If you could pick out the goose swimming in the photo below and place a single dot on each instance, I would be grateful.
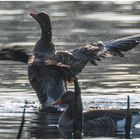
(70, 122)
(94, 122)
(48, 69)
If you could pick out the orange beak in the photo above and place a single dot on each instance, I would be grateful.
(57, 102)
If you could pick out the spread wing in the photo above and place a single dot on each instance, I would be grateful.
(117, 47)
(15, 53)
(77, 59)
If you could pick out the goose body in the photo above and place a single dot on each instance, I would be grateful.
(117, 116)
(46, 86)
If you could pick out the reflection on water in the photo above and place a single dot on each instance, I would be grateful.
(74, 24)
(44, 126)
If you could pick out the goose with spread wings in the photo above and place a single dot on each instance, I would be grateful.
(48, 69)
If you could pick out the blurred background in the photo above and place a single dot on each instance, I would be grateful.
(74, 24)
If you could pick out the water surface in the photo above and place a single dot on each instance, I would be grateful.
(74, 24)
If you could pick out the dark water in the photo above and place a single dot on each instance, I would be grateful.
(74, 24)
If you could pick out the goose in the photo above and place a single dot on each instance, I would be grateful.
(48, 69)
(94, 122)
(70, 122)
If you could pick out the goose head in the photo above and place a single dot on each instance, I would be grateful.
(67, 98)
(44, 21)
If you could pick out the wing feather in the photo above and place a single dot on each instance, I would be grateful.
(123, 44)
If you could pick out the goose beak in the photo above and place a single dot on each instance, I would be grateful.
(57, 102)
(33, 15)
